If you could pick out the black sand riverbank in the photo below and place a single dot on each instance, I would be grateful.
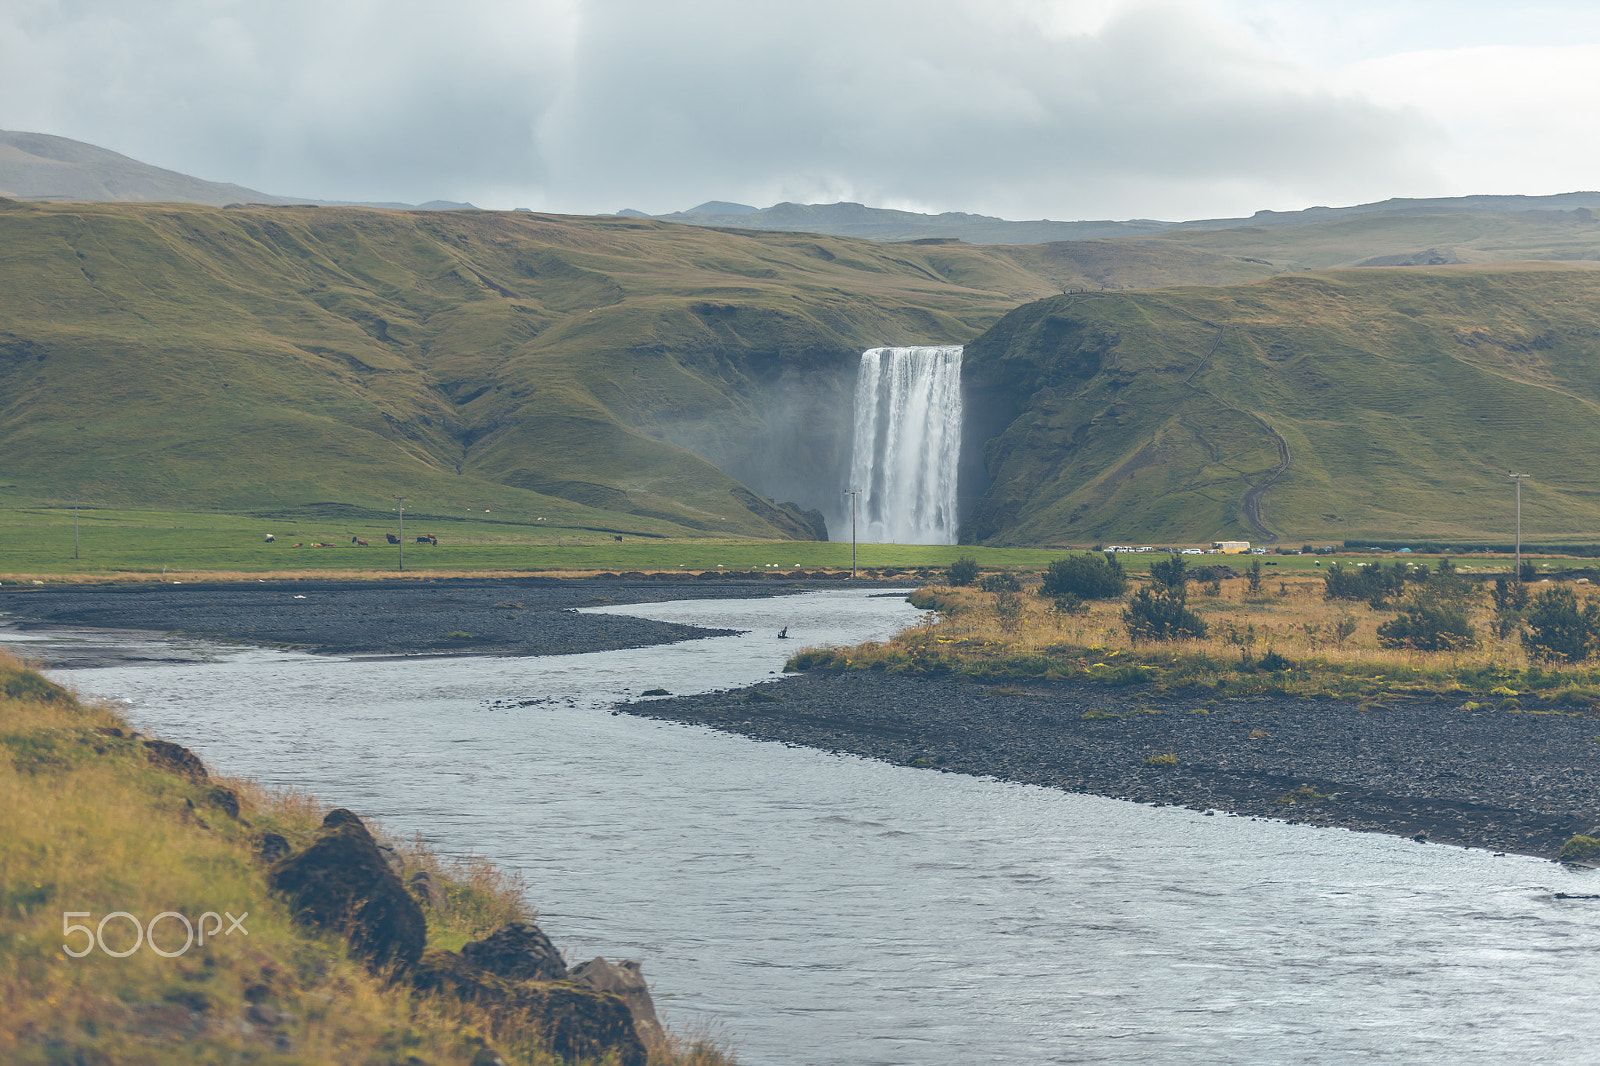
(1489, 779)
(517, 616)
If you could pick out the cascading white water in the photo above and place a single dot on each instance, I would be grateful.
(907, 445)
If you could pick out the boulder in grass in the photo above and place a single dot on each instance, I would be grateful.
(175, 759)
(342, 883)
(574, 1021)
(517, 951)
(428, 891)
(625, 980)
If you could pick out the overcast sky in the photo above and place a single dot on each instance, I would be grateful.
(1062, 109)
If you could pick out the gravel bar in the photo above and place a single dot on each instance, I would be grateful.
(1415, 767)
(515, 616)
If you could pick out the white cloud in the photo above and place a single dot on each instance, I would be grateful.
(1517, 119)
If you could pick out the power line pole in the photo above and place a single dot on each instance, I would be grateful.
(401, 500)
(1518, 478)
(852, 493)
(74, 527)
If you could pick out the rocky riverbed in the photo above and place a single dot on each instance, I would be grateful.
(517, 616)
(1420, 768)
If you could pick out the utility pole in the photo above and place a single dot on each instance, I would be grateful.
(74, 527)
(401, 500)
(852, 493)
(1518, 478)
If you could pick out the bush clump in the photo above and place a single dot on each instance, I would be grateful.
(1372, 582)
(1161, 613)
(1085, 577)
(1580, 849)
(999, 583)
(1558, 629)
(1428, 627)
(963, 571)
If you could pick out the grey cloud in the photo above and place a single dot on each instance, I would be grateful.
(958, 106)
(588, 106)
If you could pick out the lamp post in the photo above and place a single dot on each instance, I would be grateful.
(401, 500)
(1518, 478)
(852, 493)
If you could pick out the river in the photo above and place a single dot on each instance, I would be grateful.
(815, 909)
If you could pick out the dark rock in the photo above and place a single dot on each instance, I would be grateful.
(392, 857)
(226, 799)
(342, 883)
(339, 816)
(175, 759)
(625, 980)
(574, 1021)
(517, 951)
(271, 847)
(263, 1014)
(428, 891)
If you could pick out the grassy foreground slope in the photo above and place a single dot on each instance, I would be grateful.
(1341, 404)
(92, 821)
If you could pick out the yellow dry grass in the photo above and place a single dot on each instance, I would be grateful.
(1332, 647)
(88, 825)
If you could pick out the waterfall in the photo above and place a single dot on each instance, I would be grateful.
(907, 445)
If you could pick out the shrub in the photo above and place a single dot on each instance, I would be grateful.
(1086, 577)
(1510, 601)
(1069, 604)
(1162, 614)
(1428, 628)
(1165, 761)
(1171, 572)
(1372, 582)
(1558, 630)
(1581, 849)
(963, 571)
(1008, 609)
(1273, 662)
(999, 583)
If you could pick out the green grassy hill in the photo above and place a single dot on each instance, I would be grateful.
(1400, 240)
(598, 372)
(1346, 404)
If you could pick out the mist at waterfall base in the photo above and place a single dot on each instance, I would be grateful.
(889, 422)
(906, 447)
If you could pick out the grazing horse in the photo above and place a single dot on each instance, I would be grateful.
(270, 538)
(392, 538)
(429, 539)
(358, 540)
(616, 538)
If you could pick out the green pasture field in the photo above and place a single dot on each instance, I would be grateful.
(37, 542)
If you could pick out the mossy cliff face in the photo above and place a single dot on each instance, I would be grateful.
(1317, 406)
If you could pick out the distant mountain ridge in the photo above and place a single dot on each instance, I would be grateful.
(883, 224)
(41, 166)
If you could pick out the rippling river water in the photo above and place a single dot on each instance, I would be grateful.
(827, 910)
